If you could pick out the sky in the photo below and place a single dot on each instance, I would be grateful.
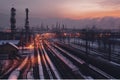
(74, 9)
(63, 9)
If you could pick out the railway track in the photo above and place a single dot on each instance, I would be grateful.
(101, 64)
(68, 69)
(92, 71)
(56, 61)
(45, 68)
(6, 74)
(102, 53)
(21, 71)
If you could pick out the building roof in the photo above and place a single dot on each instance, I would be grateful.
(4, 46)
(13, 45)
(9, 41)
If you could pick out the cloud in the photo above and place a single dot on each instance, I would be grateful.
(113, 4)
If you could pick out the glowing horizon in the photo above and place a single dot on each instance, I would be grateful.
(74, 9)
(77, 9)
(96, 14)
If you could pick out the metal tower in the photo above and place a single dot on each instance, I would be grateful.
(13, 23)
(27, 25)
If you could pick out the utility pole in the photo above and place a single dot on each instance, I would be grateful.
(22, 41)
(109, 48)
(86, 38)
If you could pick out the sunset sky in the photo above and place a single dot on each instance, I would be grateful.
(73, 13)
(73, 9)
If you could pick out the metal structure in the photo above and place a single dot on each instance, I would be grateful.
(13, 23)
(27, 25)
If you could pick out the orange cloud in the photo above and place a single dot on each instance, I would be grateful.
(93, 14)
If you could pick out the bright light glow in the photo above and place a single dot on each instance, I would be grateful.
(77, 34)
(30, 46)
(65, 34)
(48, 35)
